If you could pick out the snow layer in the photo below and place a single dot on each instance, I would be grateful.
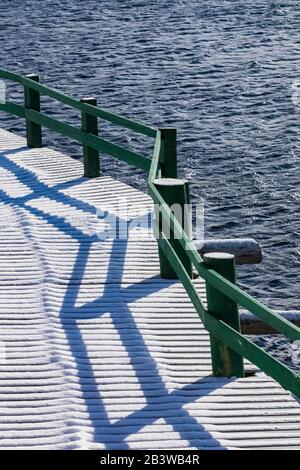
(96, 351)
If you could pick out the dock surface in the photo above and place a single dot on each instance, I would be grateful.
(97, 351)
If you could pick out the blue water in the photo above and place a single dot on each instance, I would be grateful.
(219, 71)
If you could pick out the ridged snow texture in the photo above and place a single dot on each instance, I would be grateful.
(101, 352)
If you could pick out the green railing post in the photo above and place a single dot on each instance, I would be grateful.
(175, 192)
(32, 101)
(168, 157)
(225, 361)
(89, 124)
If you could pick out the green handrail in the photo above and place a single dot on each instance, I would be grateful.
(163, 158)
(232, 338)
(94, 111)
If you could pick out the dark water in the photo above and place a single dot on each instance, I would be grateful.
(220, 71)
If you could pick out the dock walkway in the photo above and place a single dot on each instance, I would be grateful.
(97, 351)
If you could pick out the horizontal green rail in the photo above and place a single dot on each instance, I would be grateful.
(227, 288)
(163, 164)
(94, 111)
(97, 143)
(235, 340)
(219, 329)
(12, 108)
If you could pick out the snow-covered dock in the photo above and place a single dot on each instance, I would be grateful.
(97, 351)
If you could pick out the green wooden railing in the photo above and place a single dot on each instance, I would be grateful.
(178, 256)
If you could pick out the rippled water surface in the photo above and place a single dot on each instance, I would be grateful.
(222, 72)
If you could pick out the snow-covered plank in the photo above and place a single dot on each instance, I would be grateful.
(100, 352)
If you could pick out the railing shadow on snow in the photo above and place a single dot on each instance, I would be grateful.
(112, 434)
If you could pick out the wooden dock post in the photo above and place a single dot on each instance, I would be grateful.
(245, 250)
(89, 124)
(175, 192)
(225, 361)
(32, 101)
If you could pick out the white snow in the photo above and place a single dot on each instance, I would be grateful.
(99, 351)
